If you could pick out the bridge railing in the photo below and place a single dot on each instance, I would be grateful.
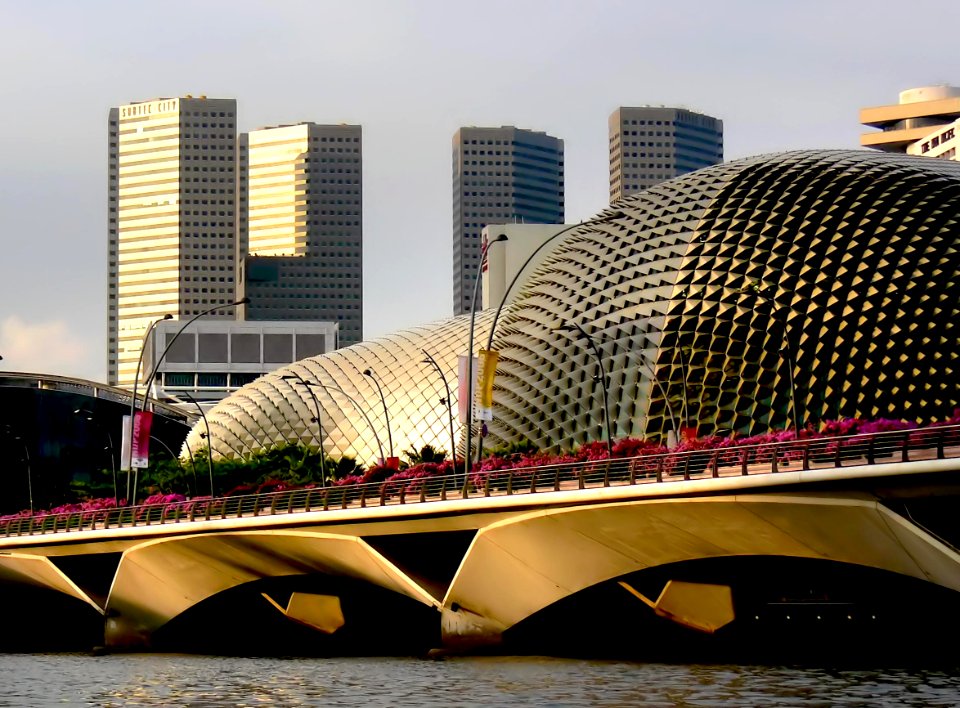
(937, 442)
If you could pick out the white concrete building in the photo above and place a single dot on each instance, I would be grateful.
(506, 258)
(211, 359)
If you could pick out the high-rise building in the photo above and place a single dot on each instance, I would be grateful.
(300, 225)
(500, 176)
(171, 218)
(649, 145)
(920, 112)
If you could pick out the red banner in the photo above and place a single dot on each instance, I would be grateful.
(142, 422)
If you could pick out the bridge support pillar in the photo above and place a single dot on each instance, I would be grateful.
(463, 630)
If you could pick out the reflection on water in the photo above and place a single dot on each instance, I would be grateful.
(175, 680)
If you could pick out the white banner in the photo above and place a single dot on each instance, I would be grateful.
(125, 445)
(462, 387)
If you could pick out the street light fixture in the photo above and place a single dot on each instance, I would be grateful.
(156, 368)
(88, 416)
(473, 316)
(601, 377)
(317, 384)
(133, 399)
(26, 451)
(449, 404)
(786, 347)
(295, 377)
(206, 424)
(386, 413)
(516, 278)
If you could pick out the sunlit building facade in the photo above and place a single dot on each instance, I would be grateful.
(171, 218)
(918, 115)
(300, 225)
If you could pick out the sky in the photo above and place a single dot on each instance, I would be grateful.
(782, 76)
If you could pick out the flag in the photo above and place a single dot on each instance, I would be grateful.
(488, 372)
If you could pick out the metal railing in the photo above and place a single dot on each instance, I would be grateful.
(727, 461)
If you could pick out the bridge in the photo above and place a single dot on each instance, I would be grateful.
(703, 544)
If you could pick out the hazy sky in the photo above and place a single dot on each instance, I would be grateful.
(781, 75)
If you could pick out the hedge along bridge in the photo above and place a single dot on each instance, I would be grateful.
(494, 551)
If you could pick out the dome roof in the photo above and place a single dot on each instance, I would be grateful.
(797, 286)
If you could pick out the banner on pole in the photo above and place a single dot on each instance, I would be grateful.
(142, 422)
(462, 384)
(488, 372)
(125, 445)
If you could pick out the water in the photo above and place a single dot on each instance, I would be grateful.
(176, 680)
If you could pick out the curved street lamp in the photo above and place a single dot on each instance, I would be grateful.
(206, 424)
(786, 347)
(295, 377)
(516, 278)
(156, 368)
(133, 399)
(386, 413)
(355, 405)
(26, 451)
(88, 416)
(473, 316)
(601, 377)
(446, 386)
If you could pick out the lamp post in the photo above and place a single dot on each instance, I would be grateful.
(663, 392)
(386, 413)
(88, 416)
(298, 378)
(133, 399)
(26, 451)
(156, 368)
(786, 347)
(446, 386)
(473, 316)
(206, 424)
(601, 377)
(356, 405)
(516, 278)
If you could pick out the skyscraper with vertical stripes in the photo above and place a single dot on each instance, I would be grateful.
(171, 218)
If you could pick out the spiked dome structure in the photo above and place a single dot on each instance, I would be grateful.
(765, 292)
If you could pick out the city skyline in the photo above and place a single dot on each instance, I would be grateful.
(399, 71)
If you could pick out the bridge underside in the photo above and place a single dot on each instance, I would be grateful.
(653, 577)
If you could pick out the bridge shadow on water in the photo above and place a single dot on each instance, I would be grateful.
(788, 611)
(241, 622)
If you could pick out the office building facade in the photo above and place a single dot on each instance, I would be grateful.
(919, 113)
(500, 176)
(649, 145)
(300, 225)
(171, 218)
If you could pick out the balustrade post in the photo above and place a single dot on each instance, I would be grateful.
(556, 480)
(774, 461)
(870, 450)
(905, 448)
(941, 440)
(486, 485)
(509, 482)
(363, 498)
(715, 465)
(423, 491)
(805, 459)
(581, 483)
(403, 494)
(533, 482)
(744, 456)
(659, 469)
(443, 489)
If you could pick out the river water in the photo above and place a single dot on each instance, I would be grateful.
(179, 680)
